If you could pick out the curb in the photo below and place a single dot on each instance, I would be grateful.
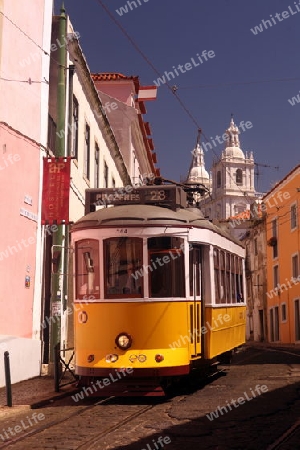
(46, 401)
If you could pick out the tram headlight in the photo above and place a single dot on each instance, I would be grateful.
(159, 358)
(91, 358)
(111, 358)
(142, 358)
(123, 341)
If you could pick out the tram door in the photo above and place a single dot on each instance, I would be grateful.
(195, 304)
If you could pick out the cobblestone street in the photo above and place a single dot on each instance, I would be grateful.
(250, 407)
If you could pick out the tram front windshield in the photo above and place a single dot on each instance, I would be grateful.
(124, 271)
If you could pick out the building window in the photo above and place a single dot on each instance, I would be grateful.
(293, 217)
(297, 320)
(218, 179)
(239, 177)
(274, 324)
(113, 182)
(105, 174)
(283, 312)
(87, 136)
(255, 246)
(274, 235)
(74, 128)
(257, 284)
(275, 277)
(96, 179)
(295, 266)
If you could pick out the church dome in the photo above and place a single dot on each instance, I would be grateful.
(232, 150)
(197, 173)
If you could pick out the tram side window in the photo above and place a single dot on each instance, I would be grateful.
(195, 272)
(166, 267)
(228, 277)
(239, 284)
(123, 272)
(233, 275)
(87, 269)
(222, 273)
(217, 276)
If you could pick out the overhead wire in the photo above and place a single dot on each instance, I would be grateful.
(148, 61)
(29, 81)
(171, 88)
(238, 83)
(145, 58)
(30, 38)
(25, 34)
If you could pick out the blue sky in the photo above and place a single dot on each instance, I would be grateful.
(240, 79)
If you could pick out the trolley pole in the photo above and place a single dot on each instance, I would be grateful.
(58, 241)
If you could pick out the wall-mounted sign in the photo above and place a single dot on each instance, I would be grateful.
(28, 199)
(30, 215)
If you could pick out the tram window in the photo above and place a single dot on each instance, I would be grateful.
(222, 273)
(228, 278)
(217, 276)
(240, 292)
(233, 272)
(195, 272)
(166, 267)
(165, 242)
(87, 269)
(123, 272)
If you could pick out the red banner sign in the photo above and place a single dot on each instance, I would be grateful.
(56, 189)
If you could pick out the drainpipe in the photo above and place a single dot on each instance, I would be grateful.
(57, 282)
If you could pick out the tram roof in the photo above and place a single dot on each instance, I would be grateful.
(146, 215)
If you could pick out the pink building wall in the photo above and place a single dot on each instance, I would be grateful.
(19, 182)
(24, 69)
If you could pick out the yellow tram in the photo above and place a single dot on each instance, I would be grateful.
(160, 290)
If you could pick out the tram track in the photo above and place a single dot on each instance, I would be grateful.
(22, 439)
(82, 411)
(285, 439)
(113, 428)
(51, 424)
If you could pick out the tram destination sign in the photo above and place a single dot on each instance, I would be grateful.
(171, 196)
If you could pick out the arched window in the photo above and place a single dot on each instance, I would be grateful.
(218, 179)
(239, 177)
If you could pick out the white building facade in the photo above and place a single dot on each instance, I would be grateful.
(105, 139)
(232, 180)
